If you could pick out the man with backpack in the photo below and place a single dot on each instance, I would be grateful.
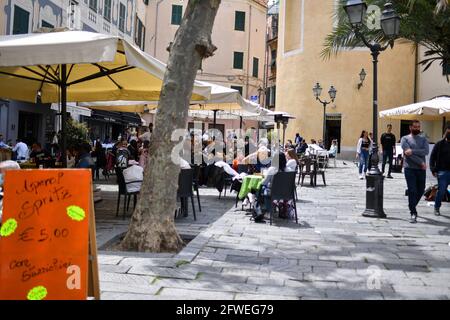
(440, 167)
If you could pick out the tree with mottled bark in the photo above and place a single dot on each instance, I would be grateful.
(152, 227)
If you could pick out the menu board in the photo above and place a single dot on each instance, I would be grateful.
(44, 236)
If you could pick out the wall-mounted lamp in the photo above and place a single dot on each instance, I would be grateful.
(39, 97)
(362, 76)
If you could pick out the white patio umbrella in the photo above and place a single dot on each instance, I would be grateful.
(78, 66)
(434, 109)
(221, 98)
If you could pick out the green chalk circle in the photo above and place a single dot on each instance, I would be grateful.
(76, 213)
(37, 293)
(8, 228)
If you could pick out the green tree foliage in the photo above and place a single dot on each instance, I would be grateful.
(424, 22)
(77, 133)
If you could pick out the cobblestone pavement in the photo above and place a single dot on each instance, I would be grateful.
(334, 252)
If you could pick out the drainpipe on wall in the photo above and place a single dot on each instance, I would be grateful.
(416, 74)
(248, 48)
(267, 51)
(156, 26)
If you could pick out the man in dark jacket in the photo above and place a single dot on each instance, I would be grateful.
(440, 167)
(388, 149)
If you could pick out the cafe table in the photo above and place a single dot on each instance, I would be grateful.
(251, 183)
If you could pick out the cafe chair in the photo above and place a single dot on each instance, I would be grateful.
(185, 190)
(283, 188)
(123, 190)
(308, 168)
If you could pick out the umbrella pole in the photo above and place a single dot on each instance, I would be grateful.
(444, 122)
(64, 114)
(214, 122)
(240, 123)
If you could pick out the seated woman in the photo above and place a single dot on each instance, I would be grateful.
(143, 154)
(333, 149)
(292, 160)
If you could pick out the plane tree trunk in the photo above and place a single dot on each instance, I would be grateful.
(152, 227)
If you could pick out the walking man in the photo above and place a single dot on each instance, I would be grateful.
(415, 149)
(388, 149)
(440, 167)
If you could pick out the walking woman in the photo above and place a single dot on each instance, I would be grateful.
(362, 153)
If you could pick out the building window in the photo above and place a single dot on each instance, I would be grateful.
(238, 60)
(238, 88)
(93, 5)
(255, 67)
(122, 17)
(239, 21)
(177, 13)
(139, 34)
(21, 17)
(270, 96)
(107, 10)
(45, 24)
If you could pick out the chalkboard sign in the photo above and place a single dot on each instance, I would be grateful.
(45, 236)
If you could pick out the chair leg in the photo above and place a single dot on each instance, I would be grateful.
(237, 200)
(193, 207)
(295, 209)
(128, 203)
(118, 205)
(303, 178)
(271, 212)
(323, 178)
(198, 200)
(125, 207)
(134, 201)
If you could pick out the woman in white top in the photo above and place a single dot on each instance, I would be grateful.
(292, 160)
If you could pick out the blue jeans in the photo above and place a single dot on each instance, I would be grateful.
(415, 179)
(388, 156)
(363, 160)
(443, 182)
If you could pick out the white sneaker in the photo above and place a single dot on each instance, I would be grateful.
(361, 177)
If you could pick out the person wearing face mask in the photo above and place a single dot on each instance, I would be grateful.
(415, 149)
(5, 165)
(440, 167)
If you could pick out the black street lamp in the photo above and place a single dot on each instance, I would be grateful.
(390, 23)
(317, 90)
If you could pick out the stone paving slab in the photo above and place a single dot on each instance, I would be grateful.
(162, 272)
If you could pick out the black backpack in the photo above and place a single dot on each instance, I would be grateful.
(122, 158)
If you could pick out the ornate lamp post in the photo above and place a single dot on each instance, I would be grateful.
(317, 90)
(390, 23)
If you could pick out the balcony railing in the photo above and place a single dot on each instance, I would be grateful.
(92, 16)
(106, 26)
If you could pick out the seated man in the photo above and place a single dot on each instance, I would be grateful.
(5, 165)
(39, 155)
(333, 149)
(85, 160)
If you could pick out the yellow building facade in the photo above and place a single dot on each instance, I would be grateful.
(303, 26)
